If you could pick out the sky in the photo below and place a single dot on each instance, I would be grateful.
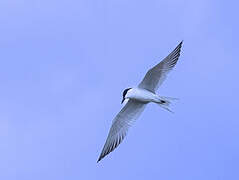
(64, 65)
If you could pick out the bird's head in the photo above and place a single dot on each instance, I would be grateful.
(124, 94)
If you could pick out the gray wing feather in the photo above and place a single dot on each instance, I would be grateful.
(120, 125)
(156, 75)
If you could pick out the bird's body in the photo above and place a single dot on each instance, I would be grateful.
(137, 98)
(142, 95)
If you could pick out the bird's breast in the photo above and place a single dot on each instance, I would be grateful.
(141, 95)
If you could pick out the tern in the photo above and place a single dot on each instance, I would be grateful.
(137, 98)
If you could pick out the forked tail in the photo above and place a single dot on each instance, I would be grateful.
(165, 102)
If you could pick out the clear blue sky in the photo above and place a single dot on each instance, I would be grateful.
(64, 65)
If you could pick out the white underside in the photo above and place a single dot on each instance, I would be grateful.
(142, 95)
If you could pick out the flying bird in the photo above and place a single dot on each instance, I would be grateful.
(137, 98)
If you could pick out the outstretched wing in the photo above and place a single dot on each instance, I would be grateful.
(156, 75)
(120, 125)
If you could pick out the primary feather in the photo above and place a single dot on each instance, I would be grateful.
(156, 75)
(121, 123)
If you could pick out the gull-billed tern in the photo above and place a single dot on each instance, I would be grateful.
(137, 98)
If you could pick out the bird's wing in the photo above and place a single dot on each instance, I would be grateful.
(120, 125)
(156, 75)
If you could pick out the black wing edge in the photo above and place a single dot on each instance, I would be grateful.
(108, 148)
(174, 55)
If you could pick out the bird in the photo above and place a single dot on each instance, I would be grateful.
(136, 99)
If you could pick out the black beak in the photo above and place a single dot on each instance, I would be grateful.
(122, 100)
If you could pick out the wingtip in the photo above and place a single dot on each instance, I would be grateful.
(99, 159)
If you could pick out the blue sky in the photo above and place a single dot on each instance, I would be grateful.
(64, 65)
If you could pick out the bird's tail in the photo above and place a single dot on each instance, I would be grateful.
(165, 102)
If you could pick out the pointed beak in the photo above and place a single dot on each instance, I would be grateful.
(122, 100)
